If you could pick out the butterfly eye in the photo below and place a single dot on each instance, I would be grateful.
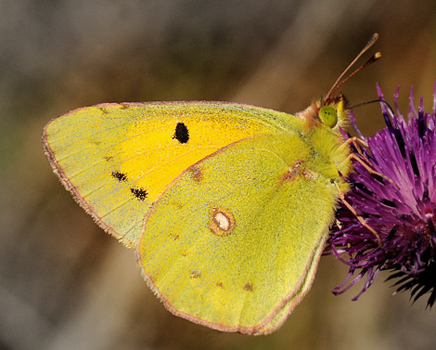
(328, 116)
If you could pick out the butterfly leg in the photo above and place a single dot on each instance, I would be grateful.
(365, 162)
(359, 217)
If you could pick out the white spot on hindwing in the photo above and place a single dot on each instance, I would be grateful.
(221, 222)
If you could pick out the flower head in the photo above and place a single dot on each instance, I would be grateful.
(397, 199)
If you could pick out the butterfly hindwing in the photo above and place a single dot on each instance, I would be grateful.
(233, 242)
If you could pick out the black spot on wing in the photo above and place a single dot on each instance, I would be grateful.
(119, 176)
(181, 134)
(139, 193)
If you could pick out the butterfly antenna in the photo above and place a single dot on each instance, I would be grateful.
(388, 106)
(338, 83)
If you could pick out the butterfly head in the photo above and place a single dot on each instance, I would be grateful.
(331, 112)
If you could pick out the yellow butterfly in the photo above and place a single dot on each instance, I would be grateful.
(228, 205)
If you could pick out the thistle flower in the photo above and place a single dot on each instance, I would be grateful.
(398, 201)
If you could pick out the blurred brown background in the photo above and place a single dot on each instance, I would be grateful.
(64, 283)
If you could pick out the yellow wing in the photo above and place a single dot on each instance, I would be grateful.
(234, 242)
(117, 159)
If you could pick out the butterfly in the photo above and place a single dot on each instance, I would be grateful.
(227, 205)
